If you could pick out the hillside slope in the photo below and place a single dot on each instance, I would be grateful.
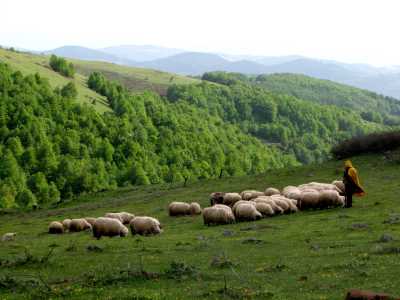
(308, 255)
(28, 63)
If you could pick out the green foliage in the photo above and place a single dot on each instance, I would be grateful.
(53, 149)
(61, 66)
(301, 128)
(69, 91)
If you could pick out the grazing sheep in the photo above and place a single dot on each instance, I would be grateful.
(56, 228)
(109, 227)
(218, 214)
(265, 209)
(318, 186)
(271, 191)
(251, 194)
(328, 198)
(195, 208)
(90, 220)
(145, 226)
(240, 202)
(79, 225)
(309, 200)
(116, 216)
(126, 217)
(178, 209)
(340, 185)
(247, 212)
(10, 236)
(270, 201)
(216, 198)
(66, 224)
(231, 198)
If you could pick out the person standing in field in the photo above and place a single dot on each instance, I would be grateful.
(351, 183)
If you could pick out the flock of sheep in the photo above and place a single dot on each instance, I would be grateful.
(225, 208)
(112, 224)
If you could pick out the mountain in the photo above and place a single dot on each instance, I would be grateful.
(83, 53)
(141, 53)
(189, 63)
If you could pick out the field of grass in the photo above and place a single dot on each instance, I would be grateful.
(308, 255)
(135, 79)
(29, 64)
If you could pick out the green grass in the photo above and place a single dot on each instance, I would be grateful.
(309, 255)
(135, 79)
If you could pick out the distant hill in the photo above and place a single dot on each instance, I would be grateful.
(332, 93)
(84, 53)
(141, 53)
(193, 63)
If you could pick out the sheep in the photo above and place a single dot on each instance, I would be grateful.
(239, 202)
(145, 226)
(56, 228)
(319, 186)
(247, 212)
(195, 208)
(231, 198)
(77, 225)
(218, 214)
(271, 191)
(251, 194)
(109, 227)
(90, 220)
(340, 185)
(116, 216)
(126, 217)
(309, 200)
(328, 198)
(9, 236)
(276, 208)
(216, 198)
(264, 208)
(66, 224)
(179, 209)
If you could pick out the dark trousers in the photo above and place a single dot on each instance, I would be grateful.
(348, 200)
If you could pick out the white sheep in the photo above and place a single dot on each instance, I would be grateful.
(195, 208)
(145, 226)
(9, 236)
(77, 225)
(90, 220)
(179, 209)
(116, 216)
(265, 209)
(309, 200)
(218, 214)
(247, 212)
(109, 227)
(66, 224)
(271, 191)
(340, 185)
(231, 198)
(56, 228)
(251, 194)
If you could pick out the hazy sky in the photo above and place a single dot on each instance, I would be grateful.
(347, 30)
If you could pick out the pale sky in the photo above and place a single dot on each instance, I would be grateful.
(360, 31)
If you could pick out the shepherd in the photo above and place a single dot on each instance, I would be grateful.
(351, 183)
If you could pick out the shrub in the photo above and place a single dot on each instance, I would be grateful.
(371, 143)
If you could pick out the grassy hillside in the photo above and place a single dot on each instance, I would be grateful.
(309, 255)
(29, 64)
(135, 79)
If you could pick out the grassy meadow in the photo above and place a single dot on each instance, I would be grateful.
(308, 255)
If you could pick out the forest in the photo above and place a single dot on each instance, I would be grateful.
(53, 148)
